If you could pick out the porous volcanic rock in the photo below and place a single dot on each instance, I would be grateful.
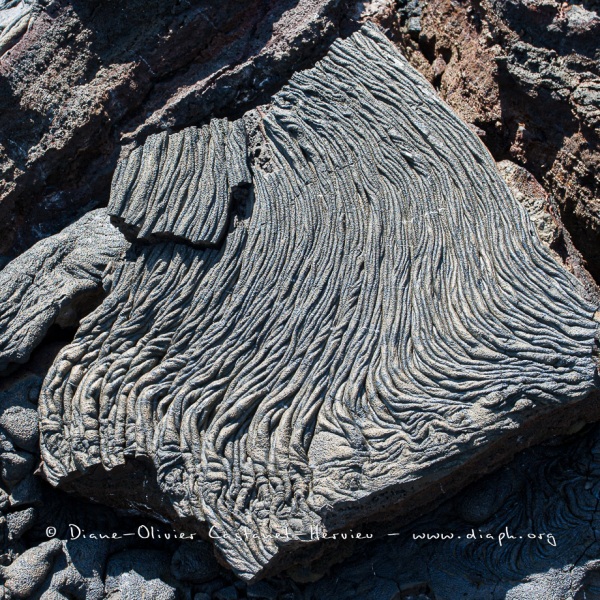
(379, 324)
(527, 531)
(80, 78)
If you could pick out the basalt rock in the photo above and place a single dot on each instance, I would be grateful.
(142, 574)
(545, 214)
(56, 281)
(525, 75)
(180, 186)
(27, 573)
(376, 324)
(81, 78)
(527, 531)
(15, 16)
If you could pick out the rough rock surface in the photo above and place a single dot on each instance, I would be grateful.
(377, 320)
(180, 186)
(528, 531)
(550, 490)
(80, 78)
(526, 75)
(545, 214)
(26, 573)
(53, 282)
(139, 574)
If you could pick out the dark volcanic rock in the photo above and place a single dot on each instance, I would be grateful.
(139, 574)
(525, 74)
(194, 561)
(21, 425)
(18, 522)
(234, 403)
(78, 572)
(545, 214)
(16, 465)
(58, 280)
(28, 572)
(25, 492)
(528, 531)
(180, 186)
(376, 324)
(81, 77)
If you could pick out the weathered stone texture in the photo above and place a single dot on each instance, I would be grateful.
(526, 76)
(53, 282)
(377, 318)
(331, 314)
(79, 79)
(180, 186)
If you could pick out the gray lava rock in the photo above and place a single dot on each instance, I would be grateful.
(4, 499)
(539, 541)
(227, 593)
(21, 390)
(26, 492)
(19, 522)
(482, 500)
(28, 571)
(78, 574)
(534, 199)
(164, 65)
(45, 284)
(135, 574)
(544, 213)
(194, 562)
(374, 325)
(450, 567)
(21, 425)
(16, 465)
(15, 17)
(193, 157)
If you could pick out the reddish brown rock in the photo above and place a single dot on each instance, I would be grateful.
(526, 77)
(83, 77)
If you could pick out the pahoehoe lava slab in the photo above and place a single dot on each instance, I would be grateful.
(377, 314)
